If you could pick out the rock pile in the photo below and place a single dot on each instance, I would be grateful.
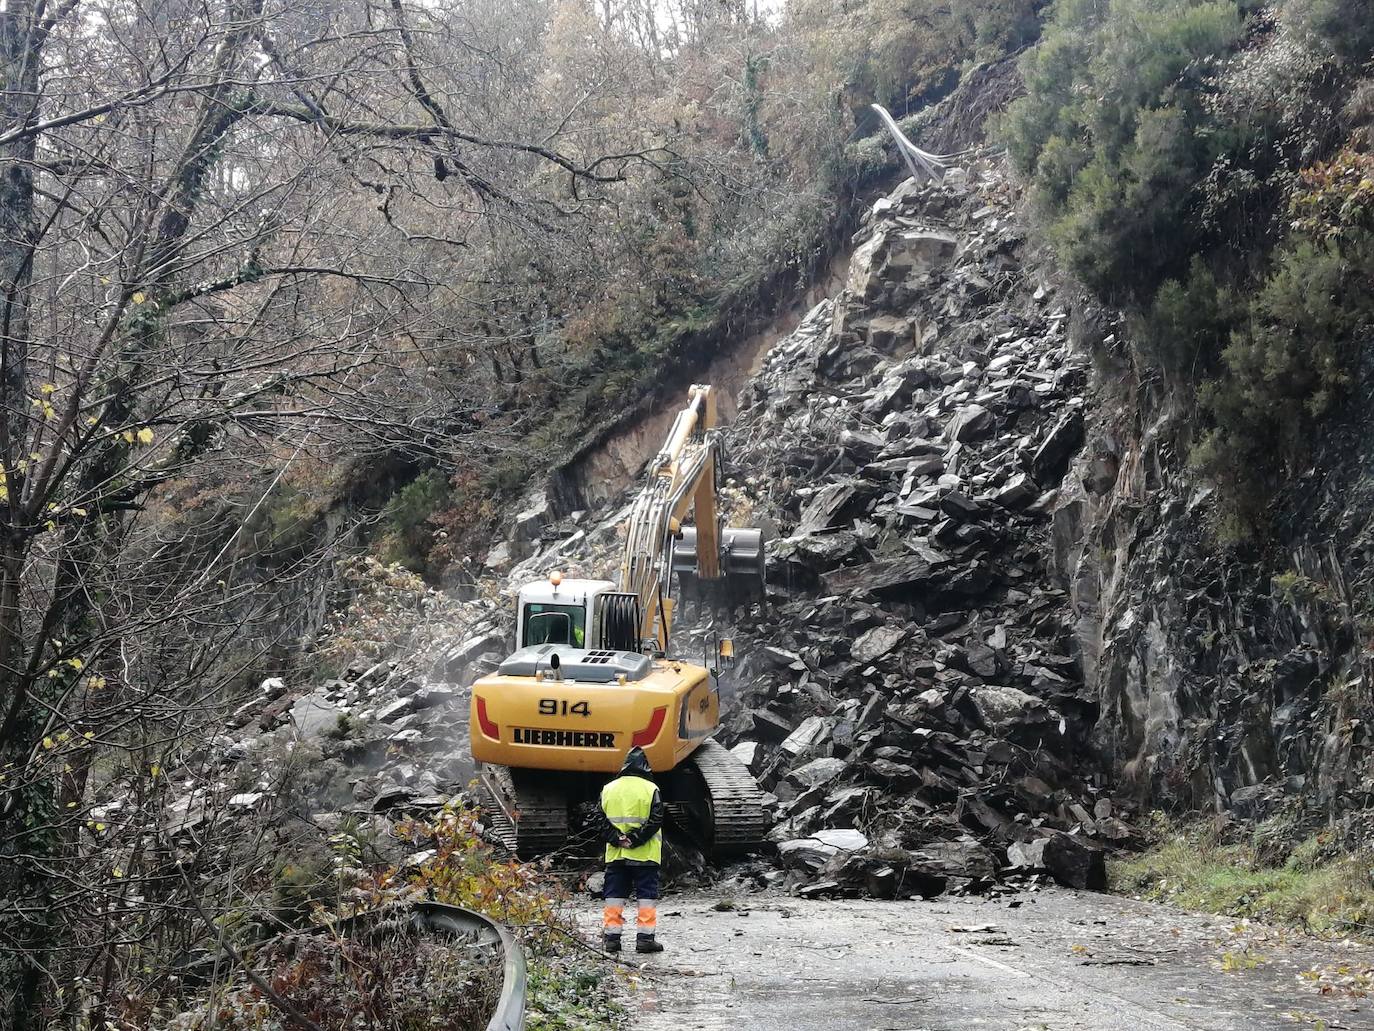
(382, 741)
(909, 693)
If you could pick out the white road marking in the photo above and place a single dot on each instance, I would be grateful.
(990, 962)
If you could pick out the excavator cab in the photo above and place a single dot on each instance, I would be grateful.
(559, 611)
(553, 627)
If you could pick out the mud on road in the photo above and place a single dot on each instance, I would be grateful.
(1037, 962)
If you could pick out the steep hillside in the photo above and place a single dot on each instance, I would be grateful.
(968, 494)
(1203, 170)
(328, 324)
(1227, 681)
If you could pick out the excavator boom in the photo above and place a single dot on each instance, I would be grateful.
(682, 479)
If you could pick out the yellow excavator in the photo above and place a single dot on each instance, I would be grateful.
(591, 675)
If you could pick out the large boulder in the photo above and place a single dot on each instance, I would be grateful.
(812, 735)
(1013, 714)
(1027, 856)
(891, 333)
(814, 552)
(920, 250)
(1051, 459)
(887, 258)
(1002, 709)
(499, 558)
(877, 643)
(528, 526)
(962, 858)
(880, 876)
(817, 772)
(812, 853)
(1074, 862)
(825, 509)
(1018, 492)
(432, 696)
(456, 662)
(750, 753)
(865, 267)
(903, 572)
(892, 774)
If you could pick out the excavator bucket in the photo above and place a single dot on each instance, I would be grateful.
(741, 565)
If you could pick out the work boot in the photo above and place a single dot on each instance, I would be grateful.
(610, 942)
(646, 943)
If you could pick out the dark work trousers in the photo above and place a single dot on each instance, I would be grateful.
(621, 879)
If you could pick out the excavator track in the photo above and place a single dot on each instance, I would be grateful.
(740, 820)
(528, 814)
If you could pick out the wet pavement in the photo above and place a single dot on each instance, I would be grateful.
(1035, 962)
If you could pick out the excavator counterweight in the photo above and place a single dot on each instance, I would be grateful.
(591, 674)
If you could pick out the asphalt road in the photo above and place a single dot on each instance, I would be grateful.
(1057, 960)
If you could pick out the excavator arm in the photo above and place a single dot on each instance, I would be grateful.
(681, 477)
(680, 480)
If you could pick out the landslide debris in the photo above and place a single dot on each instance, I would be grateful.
(910, 693)
(908, 690)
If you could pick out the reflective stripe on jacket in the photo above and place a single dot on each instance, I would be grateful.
(627, 803)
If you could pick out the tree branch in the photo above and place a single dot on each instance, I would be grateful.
(431, 133)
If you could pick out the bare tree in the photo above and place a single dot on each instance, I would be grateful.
(219, 225)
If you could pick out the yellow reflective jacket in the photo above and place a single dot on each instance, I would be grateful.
(632, 806)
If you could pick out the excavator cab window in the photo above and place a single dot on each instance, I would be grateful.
(555, 624)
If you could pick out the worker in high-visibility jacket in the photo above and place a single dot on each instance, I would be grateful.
(632, 827)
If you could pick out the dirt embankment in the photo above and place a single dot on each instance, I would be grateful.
(599, 472)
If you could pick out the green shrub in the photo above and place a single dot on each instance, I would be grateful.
(1166, 139)
(1003, 28)
(1304, 882)
(897, 51)
(300, 885)
(1293, 588)
(409, 519)
(1346, 26)
(1286, 368)
(1188, 322)
(1114, 134)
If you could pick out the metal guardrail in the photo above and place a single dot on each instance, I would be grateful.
(922, 165)
(421, 918)
(455, 920)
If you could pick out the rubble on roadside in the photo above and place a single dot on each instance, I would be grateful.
(908, 691)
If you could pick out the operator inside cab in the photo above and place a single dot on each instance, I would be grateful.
(555, 624)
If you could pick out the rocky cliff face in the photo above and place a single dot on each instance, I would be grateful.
(1225, 684)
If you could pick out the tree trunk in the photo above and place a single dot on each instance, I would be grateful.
(22, 887)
